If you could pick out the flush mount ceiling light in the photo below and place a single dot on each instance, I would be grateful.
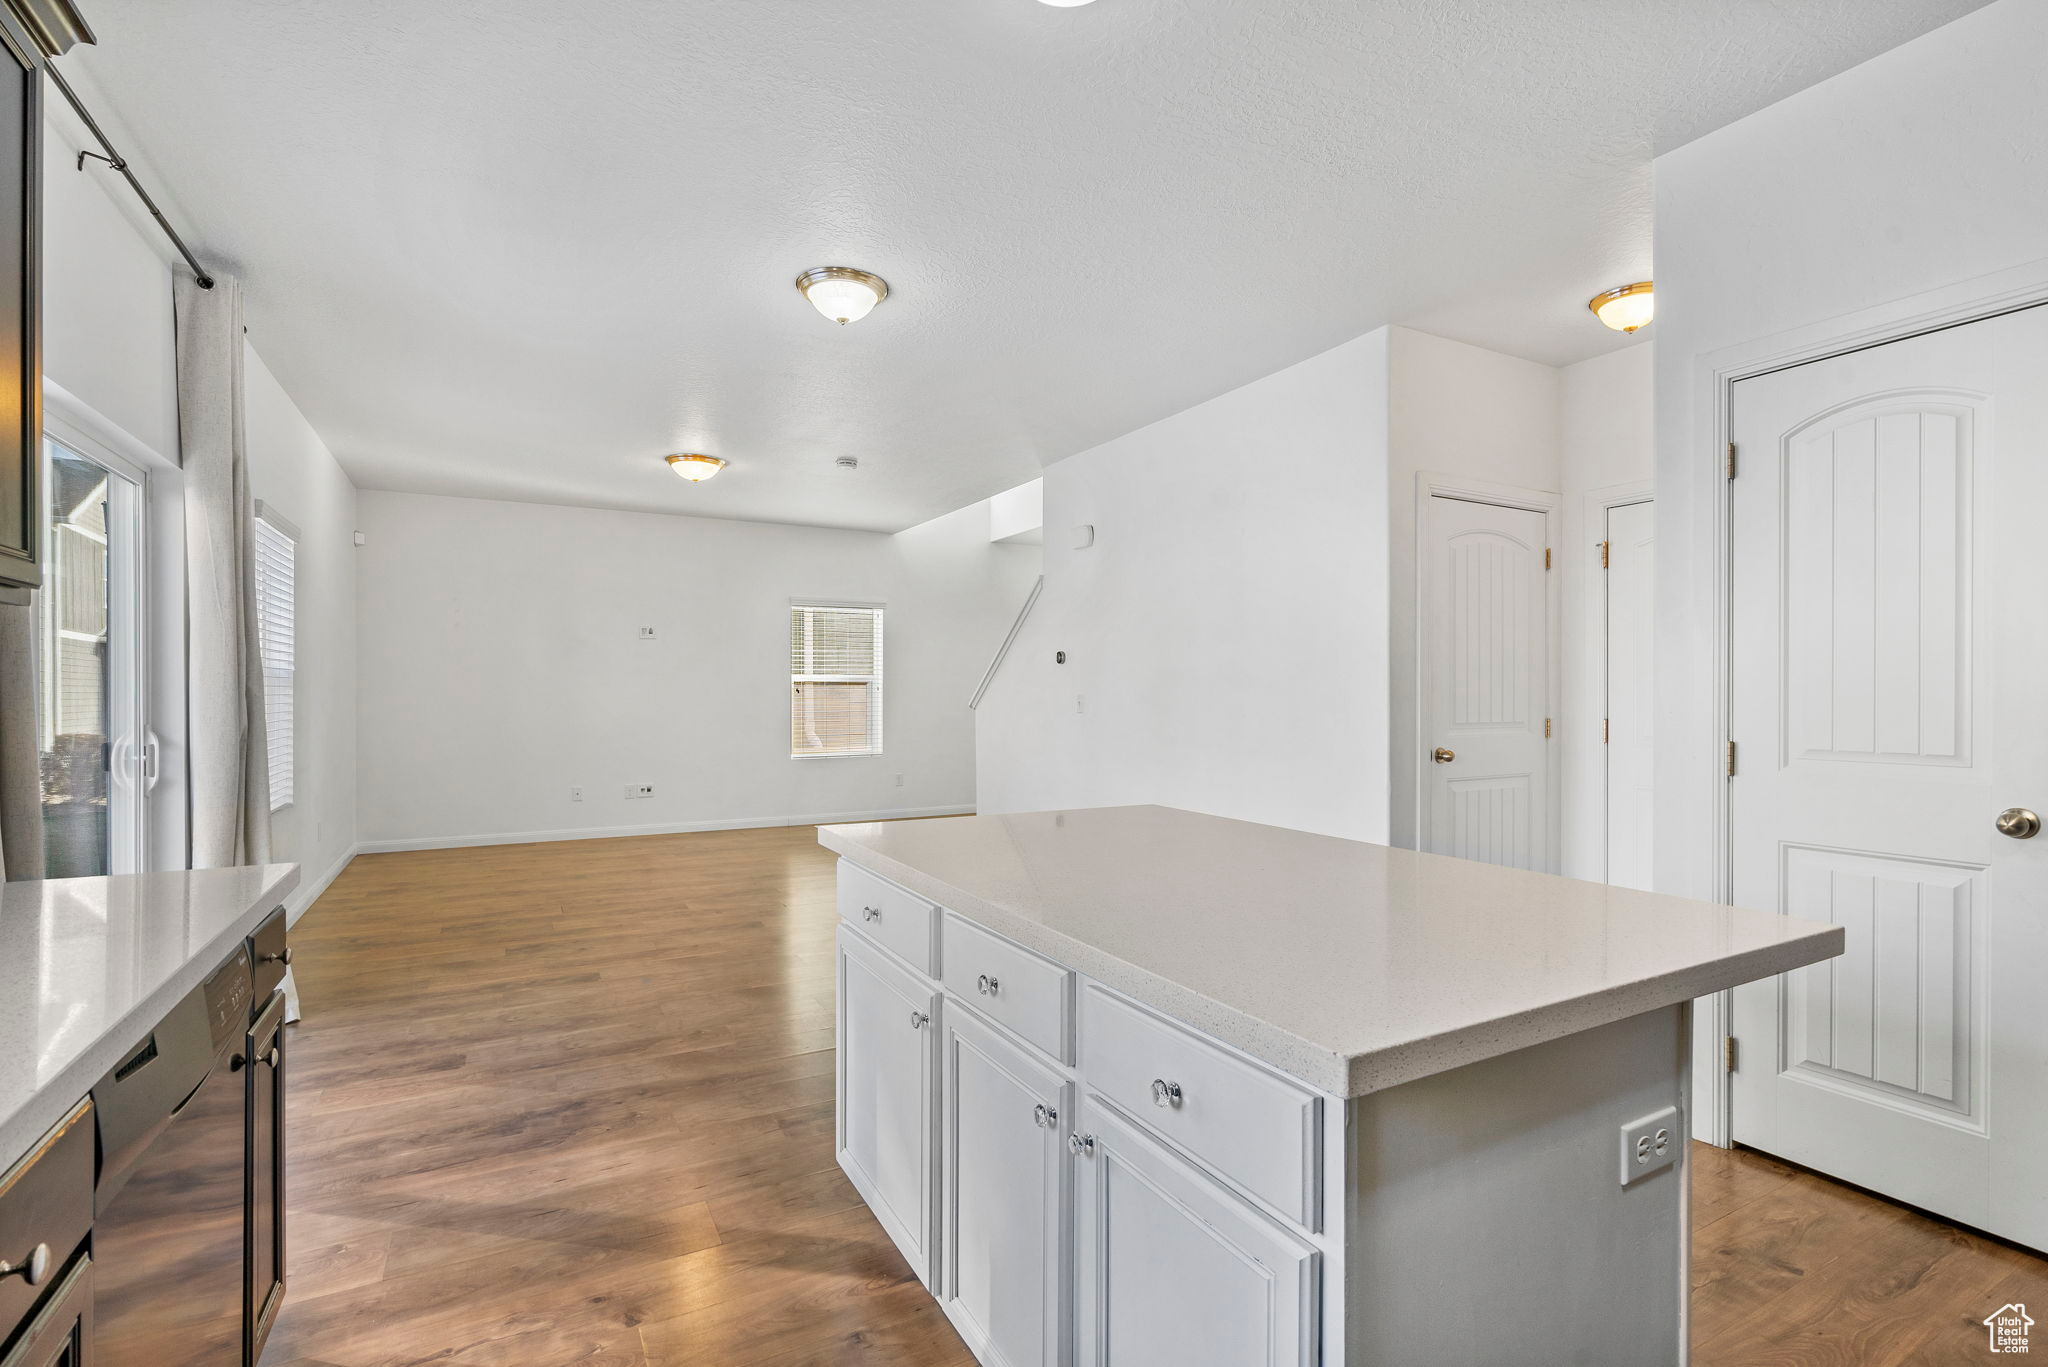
(1625, 309)
(694, 468)
(842, 293)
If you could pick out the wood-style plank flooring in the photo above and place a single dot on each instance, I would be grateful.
(572, 1103)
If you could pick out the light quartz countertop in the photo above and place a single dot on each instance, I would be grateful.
(1352, 967)
(88, 966)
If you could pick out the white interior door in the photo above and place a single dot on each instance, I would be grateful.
(1631, 551)
(1485, 688)
(1888, 654)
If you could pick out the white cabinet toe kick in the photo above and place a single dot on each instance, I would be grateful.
(1082, 1180)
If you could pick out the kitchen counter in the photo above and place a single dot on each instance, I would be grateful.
(88, 966)
(1353, 967)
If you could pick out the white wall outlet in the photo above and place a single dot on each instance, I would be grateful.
(899, 780)
(1650, 1145)
(362, 540)
(575, 794)
(647, 633)
(634, 790)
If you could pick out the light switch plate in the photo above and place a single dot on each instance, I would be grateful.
(1650, 1145)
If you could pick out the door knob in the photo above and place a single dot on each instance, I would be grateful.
(2019, 823)
(1443, 756)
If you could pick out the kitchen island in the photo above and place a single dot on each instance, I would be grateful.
(1136, 1085)
(141, 1117)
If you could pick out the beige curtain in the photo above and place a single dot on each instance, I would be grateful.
(230, 769)
(21, 783)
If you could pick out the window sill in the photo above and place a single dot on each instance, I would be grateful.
(842, 754)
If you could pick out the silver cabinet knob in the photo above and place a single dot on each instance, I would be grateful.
(1443, 756)
(986, 985)
(1083, 1144)
(1045, 1117)
(2019, 823)
(1165, 1093)
(283, 956)
(919, 1020)
(241, 1061)
(870, 913)
(33, 1269)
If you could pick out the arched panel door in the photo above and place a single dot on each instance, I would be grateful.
(1888, 654)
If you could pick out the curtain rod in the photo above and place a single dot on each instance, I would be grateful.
(120, 163)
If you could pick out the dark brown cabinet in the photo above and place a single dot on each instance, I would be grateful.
(264, 1166)
(21, 370)
(61, 1333)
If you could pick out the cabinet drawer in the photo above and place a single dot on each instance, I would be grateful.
(899, 921)
(1009, 984)
(45, 1211)
(1249, 1125)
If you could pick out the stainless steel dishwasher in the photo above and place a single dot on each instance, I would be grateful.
(189, 1153)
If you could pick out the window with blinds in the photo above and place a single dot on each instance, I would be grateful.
(835, 680)
(277, 627)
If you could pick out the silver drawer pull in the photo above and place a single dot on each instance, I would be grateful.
(1165, 1093)
(34, 1270)
(919, 1020)
(986, 985)
(283, 956)
(1083, 1144)
(1045, 1117)
(870, 913)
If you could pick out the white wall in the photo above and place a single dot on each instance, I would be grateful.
(1461, 410)
(109, 341)
(291, 470)
(1607, 442)
(500, 666)
(1227, 631)
(1918, 169)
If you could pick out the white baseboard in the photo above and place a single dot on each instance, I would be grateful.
(455, 842)
(307, 893)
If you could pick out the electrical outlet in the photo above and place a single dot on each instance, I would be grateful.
(1649, 1145)
(1080, 703)
(575, 794)
(899, 780)
(647, 633)
(634, 790)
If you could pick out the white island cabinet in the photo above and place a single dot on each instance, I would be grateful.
(1136, 1087)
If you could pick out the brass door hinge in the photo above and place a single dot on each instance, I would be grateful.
(1603, 554)
(1546, 728)
(1731, 759)
(1546, 557)
(1603, 730)
(1733, 1052)
(1731, 460)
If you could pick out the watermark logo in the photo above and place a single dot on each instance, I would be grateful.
(2008, 1326)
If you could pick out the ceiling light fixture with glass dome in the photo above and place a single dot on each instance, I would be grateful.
(841, 293)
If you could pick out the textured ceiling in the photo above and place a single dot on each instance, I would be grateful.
(521, 249)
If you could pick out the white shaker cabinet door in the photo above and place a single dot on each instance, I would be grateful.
(887, 1022)
(1176, 1269)
(1004, 1221)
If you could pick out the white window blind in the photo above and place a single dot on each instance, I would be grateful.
(277, 626)
(835, 680)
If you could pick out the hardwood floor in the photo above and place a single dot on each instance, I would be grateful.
(572, 1103)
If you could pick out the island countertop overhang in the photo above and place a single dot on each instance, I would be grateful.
(88, 966)
(1352, 967)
